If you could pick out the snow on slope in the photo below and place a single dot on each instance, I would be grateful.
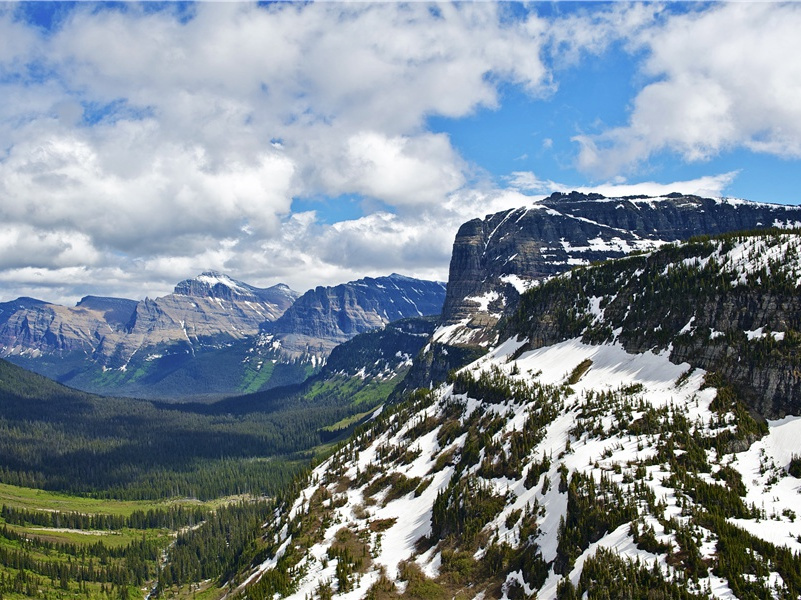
(384, 489)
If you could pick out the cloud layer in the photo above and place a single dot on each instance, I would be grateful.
(722, 78)
(141, 146)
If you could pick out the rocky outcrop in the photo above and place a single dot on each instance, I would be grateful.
(117, 312)
(497, 258)
(729, 306)
(32, 327)
(327, 316)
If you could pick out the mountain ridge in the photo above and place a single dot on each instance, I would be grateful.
(326, 316)
(207, 338)
(572, 464)
(496, 258)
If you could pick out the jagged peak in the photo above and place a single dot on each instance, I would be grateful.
(216, 284)
(214, 278)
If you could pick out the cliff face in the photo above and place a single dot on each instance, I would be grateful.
(33, 327)
(206, 310)
(497, 258)
(727, 306)
(327, 316)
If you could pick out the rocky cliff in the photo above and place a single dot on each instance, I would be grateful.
(729, 306)
(327, 316)
(497, 258)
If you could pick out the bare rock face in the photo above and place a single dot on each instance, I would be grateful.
(499, 257)
(33, 327)
(209, 309)
(327, 316)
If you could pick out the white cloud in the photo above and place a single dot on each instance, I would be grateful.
(709, 186)
(139, 148)
(140, 141)
(723, 78)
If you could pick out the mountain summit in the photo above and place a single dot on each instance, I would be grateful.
(324, 317)
(212, 284)
(497, 258)
(213, 335)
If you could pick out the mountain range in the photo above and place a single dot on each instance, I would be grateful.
(208, 337)
(607, 407)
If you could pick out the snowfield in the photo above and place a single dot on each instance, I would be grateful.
(663, 384)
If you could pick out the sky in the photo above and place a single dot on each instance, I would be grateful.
(317, 143)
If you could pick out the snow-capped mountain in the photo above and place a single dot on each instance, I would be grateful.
(212, 336)
(104, 342)
(496, 258)
(633, 434)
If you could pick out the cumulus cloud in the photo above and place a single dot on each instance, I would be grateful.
(159, 143)
(721, 78)
(141, 146)
(708, 186)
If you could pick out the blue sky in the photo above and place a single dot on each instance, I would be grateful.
(315, 143)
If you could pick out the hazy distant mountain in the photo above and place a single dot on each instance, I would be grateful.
(110, 344)
(212, 336)
(324, 317)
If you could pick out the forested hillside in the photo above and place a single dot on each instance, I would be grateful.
(60, 439)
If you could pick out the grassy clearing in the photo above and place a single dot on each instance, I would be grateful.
(33, 499)
(112, 539)
(348, 421)
(64, 563)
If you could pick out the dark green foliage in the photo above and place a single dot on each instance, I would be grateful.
(535, 470)
(463, 509)
(745, 561)
(577, 373)
(56, 438)
(492, 386)
(593, 509)
(606, 575)
(645, 538)
(133, 564)
(215, 550)
(794, 467)
(172, 518)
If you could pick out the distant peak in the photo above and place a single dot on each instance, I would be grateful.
(212, 283)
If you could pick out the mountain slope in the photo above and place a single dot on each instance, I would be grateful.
(55, 437)
(327, 316)
(497, 258)
(728, 304)
(580, 456)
